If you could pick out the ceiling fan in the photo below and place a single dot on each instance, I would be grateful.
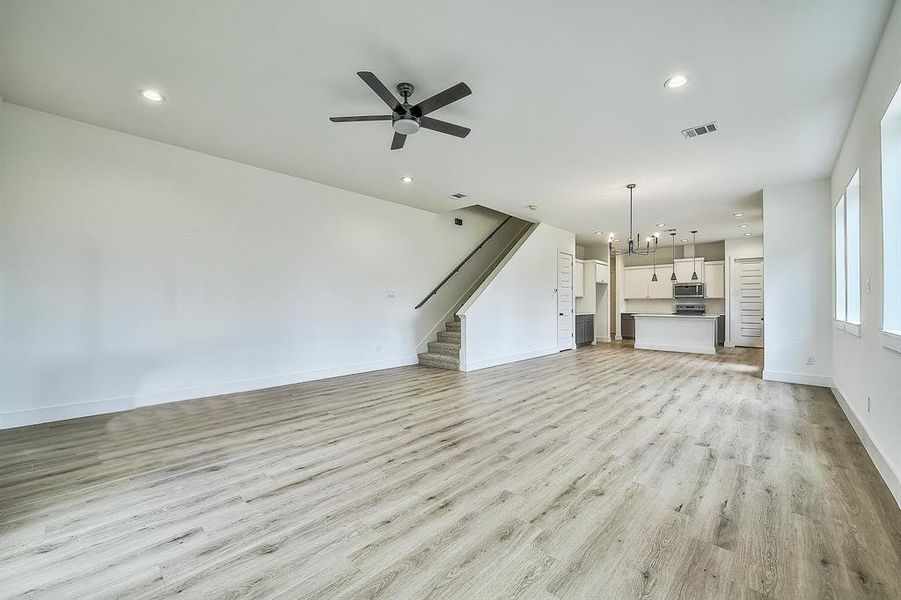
(406, 119)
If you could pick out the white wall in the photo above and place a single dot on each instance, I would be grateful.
(735, 248)
(796, 283)
(862, 367)
(134, 272)
(514, 316)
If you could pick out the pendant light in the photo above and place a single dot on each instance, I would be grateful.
(694, 271)
(673, 276)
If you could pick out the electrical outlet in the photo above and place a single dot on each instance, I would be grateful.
(378, 349)
(810, 360)
(868, 405)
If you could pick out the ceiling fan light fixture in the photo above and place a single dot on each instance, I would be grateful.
(407, 119)
(406, 125)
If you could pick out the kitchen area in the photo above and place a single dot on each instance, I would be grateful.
(677, 306)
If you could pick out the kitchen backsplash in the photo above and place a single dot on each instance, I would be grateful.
(667, 306)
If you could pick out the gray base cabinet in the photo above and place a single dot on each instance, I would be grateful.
(584, 329)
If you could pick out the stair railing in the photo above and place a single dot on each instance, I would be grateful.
(463, 262)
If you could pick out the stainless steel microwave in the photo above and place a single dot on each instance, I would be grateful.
(688, 290)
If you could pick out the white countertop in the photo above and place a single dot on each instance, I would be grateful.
(669, 315)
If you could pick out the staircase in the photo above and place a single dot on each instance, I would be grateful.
(445, 353)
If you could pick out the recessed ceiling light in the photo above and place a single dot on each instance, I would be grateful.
(599, 233)
(744, 226)
(738, 214)
(615, 240)
(406, 179)
(661, 224)
(684, 241)
(676, 81)
(747, 234)
(153, 96)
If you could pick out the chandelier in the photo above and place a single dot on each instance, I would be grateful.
(634, 246)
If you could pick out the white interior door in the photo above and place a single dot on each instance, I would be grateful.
(565, 317)
(746, 320)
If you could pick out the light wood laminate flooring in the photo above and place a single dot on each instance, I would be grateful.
(601, 473)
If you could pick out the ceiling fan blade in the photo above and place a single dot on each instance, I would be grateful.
(451, 94)
(444, 127)
(398, 142)
(365, 118)
(379, 88)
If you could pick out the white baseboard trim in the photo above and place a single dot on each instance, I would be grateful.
(602, 339)
(510, 358)
(672, 348)
(60, 412)
(801, 378)
(890, 475)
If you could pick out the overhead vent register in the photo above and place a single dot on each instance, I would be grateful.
(458, 195)
(699, 130)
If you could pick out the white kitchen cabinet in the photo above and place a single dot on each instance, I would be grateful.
(685, 267)
(636, 281)
(601, 272)
(579, 279)
(663, 287)
(715, 279)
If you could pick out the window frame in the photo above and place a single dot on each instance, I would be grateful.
(852, 287)
(840, 270)
(890, 205)
(840, 318)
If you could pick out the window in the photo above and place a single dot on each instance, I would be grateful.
(847, 258)
(891, 224)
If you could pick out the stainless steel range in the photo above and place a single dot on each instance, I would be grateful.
(690, 308)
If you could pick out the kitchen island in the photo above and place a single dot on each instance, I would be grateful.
(676, 333)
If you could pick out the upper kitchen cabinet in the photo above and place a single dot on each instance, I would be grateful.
(601, 272)
(686, 266)
(663, 287)
(579, 278)
(715, 279)
(636, 281)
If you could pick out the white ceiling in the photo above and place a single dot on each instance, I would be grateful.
(567, 107)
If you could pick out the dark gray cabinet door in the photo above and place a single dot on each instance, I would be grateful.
(584, 329)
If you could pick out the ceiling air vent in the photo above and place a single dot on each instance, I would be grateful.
(458, 195)
(693, 132)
